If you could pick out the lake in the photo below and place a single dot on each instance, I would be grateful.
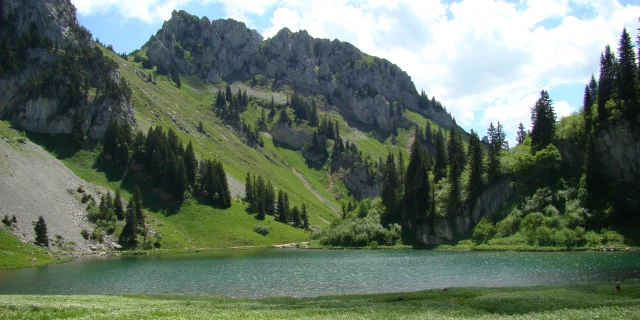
(307, 273)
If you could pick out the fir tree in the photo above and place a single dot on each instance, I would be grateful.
(190, 164)
(40, 229)
(118, 208)
(248, 193)
(282, 212)
(295, 216)
(627, 76)
(521, 135)
(129, 234)
(390, 187)
(543, 121)
(417, 187)
(476, 165)
(305, 217)
(493, 157)
(440, 170)
(136, 197)
(607, 83)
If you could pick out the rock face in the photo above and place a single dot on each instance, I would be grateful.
(358, 181)
(357, 83)
(33, 104)
(443, 230)
(295, 138)
(619, 150)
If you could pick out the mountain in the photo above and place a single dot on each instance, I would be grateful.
(362, 86)
(51, 72)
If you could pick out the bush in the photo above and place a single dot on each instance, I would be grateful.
(543, 236)
(532, 221)
(261, 229)
(507, 226)
(80, 189)
(6, 221)
(373, 244)
(85, 234)
(484, 230)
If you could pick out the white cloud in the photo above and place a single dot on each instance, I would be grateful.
(145, 10)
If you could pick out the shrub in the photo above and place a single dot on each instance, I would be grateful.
(507, 226)
(261, 229)
(532, 221)
(80, 189)
(543, 236)
(373, 244)
(484, 230)
(6, 221)
(40, 229)
(85, 234)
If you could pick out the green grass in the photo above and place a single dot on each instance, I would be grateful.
(592, 301)
(15, 254)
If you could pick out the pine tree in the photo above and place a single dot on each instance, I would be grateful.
(543, 121)
(282, 212)
(607, 83)
(284, 116)
(129, 233)
(401, 169)
(476, 165)
(627, 76)
(136, 197)
(118, 208)
(493, 157)
(521, 135)
(295, 216)
(456, 164)
(587, 113)
(417, 187)
(229, 94)
(40, 229)
(305, 217)
(190, 164)
(390, 187)
(440, 170)
(270, 205)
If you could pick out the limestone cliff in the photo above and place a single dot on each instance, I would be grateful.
(364, 87)
(52, 71)
(444, 230)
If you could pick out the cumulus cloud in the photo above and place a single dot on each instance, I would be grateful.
(145, 10)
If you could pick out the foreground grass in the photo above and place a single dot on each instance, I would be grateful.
(577, 302)
(15, 254)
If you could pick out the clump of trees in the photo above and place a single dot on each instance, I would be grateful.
(40, 229)
(173, 170)
(261, 198)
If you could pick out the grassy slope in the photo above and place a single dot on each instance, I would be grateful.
(579, 302)
(15, 254)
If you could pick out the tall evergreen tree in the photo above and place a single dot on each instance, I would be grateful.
(137, 205)
(521, 135)
(248, 192)
(476, 165)
(607, 84)
(295, 216)
(627, 76)
(543, 121)
(440, 170)
(401, 169)
(493, 156)
(190, 164)
(118, 208)
(129, 234)
(390, 187)
(417, 186)
(305, 217)
(40, 229)
(456, 164)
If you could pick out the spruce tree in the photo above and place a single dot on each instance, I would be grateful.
(543, 121)
(248, 193)
(440, 170)
(521, 135)
(417, 186)
(190, 164)
(40, 229)
(607, 84)
(476, 165)
(295, 216)
(389, 193)
(118, 208)
(305, 217)
(627, 77)
(493, 156)
(129, 234)
(136, 197)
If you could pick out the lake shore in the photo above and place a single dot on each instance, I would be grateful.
(585, 301)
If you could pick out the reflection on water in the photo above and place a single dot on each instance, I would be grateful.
(304, 273)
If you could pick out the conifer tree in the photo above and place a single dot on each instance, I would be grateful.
(607, 83)
(305, 216)
(390, 187)
(40, 229)
(627, 76)
(229, 94)
(417, 187)
(190, 164)
(118, 208)
(270, 205)
(284, 116)
(476, 165)
(136, 197)
(440, 170)
(282, 212)
(456, 163)
(521, 135)
(248, 193)
(543, 121)
(295, 216)
(493, 157)
(129, 233)
(401, 169)
(287, 208)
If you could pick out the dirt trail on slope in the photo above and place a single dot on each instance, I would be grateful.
(33, 184)
(322, 199)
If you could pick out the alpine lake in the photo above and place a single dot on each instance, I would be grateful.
(310, 273)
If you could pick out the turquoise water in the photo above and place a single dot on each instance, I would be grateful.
(305, 273)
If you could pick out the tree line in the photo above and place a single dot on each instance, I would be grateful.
(261, 199)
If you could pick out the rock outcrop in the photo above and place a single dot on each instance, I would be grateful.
(295, 138)
(38, 88)
(360, 183)
(619, 150)
(444, 230)
(357, 83)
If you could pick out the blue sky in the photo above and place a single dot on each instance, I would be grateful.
(486, 60)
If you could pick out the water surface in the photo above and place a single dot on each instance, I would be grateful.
(305, 273)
